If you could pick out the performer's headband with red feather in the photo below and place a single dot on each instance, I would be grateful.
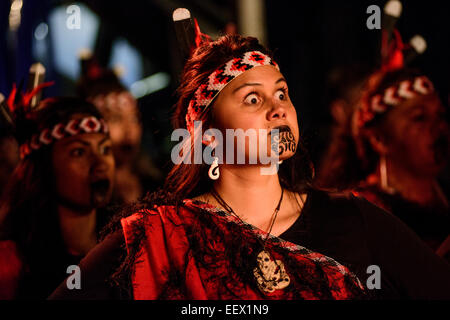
(18, 103)
(219, 79)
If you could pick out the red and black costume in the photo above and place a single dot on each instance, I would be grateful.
(213, 252)
(352, 231)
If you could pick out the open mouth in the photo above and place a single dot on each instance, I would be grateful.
(100, 185)
(99, 191)
(441, 149)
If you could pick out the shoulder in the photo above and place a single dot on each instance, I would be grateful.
(161, 218)
(9, 272)
(169, 211)
(350, 208)
(334, 204)
(152, 214)
(350, 199)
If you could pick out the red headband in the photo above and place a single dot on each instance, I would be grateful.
(393, 96)
(63, 130)
(218, 79)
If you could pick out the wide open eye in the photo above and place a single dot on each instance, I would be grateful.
(252, 99)
(281, 94)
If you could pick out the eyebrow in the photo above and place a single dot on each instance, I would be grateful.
(256, 84)
(86, 143)
(280, 80)
(248, 84)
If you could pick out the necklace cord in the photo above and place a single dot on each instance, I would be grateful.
(222, 202)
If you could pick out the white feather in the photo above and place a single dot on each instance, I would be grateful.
(393, 8)
(181, 14)
(85, 53)
(37, 68)
(418, 43)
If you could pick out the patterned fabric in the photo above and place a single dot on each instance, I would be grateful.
(197, 251)
(393, 96)
(217, 80)
(62, 130)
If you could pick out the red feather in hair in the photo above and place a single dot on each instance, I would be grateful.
(25, 98)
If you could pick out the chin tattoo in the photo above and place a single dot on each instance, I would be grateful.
(284, 142)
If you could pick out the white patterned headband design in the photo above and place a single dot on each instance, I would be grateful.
(219, 79)
(393, 96)
(63, 130)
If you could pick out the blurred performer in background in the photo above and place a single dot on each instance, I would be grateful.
(50, 211)
(136, 173)
(399, 146)
(402, 142)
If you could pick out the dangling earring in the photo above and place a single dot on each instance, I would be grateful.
(280, 162)
(213, 171)
(383, 172)
(383, 175)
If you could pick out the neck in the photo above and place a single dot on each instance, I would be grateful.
(411, 186)
(77, 229)
(252, 196)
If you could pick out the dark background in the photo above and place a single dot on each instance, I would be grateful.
(309, 39)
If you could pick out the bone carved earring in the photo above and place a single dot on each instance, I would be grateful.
(213, 171)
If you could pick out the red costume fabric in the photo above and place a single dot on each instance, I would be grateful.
(196, 251)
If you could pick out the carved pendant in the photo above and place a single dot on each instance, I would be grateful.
(269, 274)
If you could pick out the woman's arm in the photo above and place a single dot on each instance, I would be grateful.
(96, 270)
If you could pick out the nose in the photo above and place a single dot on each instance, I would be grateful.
(277, 112)
(100, 164)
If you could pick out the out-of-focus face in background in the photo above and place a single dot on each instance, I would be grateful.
(121, 112)
(83, 169)
(417, 135)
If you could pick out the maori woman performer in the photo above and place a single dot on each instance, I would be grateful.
(227, 231)
(49, 213)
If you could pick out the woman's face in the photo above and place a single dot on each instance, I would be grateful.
(418, 135)
(83, 168)
(259, 99)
